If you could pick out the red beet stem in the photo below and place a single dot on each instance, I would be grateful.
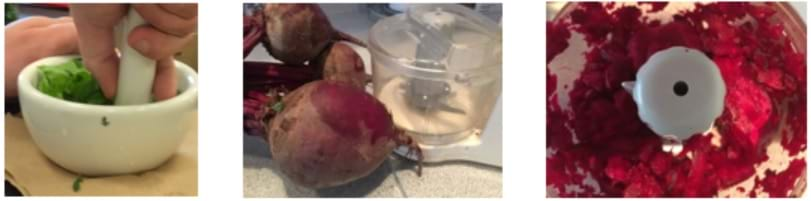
(247, 24)
(253, 30)
(251, 40)
(255, 110)
(273, 84)
(266, 71)
(270, 83)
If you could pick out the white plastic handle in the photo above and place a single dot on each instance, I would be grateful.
(136, 73)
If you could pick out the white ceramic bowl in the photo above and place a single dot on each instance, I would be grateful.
(106, 140)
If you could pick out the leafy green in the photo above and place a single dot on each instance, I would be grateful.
(77, 184)
(278, 107)
(11, 12)
(72, 82)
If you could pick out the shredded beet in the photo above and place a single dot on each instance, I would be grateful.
(747, 108)
(656, 6)
(556, 39)
(599, 147)
(780, 184)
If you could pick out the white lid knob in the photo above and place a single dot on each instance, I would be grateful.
(679, 92)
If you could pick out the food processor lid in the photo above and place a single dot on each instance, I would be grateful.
(444, 37)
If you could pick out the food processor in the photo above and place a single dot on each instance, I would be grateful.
(657, 82)
(438, 69)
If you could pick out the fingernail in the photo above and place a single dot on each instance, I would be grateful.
(143, 46)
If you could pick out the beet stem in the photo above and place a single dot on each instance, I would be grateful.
(250, 41)
(247, 25)
(255, 32)
(261, 71)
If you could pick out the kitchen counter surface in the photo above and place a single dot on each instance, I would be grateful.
(396, 177)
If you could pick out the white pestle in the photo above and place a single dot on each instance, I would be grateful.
(136, 72)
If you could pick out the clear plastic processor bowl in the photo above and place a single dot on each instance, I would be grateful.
(438, 69)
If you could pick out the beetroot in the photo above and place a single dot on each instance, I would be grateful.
(341, 63)
(556, 40)
(294, 34)
(297, 33)
(651, 40)
(327, 130)
(598, 134)
(747, 108)
(655, 6)
(330, 133)
(780, 184)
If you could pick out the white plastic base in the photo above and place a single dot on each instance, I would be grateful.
(484, 148)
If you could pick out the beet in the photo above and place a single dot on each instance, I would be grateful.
(327, 130)
(557, 39)
(748, 109)
(341, 63)
(297, 33)
(598, 134)
(330, 133)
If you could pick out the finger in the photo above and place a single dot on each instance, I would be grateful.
(47, 44)
(96, 45)
(105, 70)
(183, 10)
(63, 20)
(165, 86)
(155, 44)
(18, 54)
(30, 22)
(103, 15)
(166, 21)
(66, 42)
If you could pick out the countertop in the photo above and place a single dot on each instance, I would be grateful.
(396, 177)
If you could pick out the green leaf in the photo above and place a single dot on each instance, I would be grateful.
(11, 13)
(77, 184)
(278, 107)
(72, 82)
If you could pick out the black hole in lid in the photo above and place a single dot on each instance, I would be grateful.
(680, 88)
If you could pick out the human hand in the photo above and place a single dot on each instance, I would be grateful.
(33, 38)
(169, 27)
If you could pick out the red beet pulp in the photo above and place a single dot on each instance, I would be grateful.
(330, 133)
(599, 137)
